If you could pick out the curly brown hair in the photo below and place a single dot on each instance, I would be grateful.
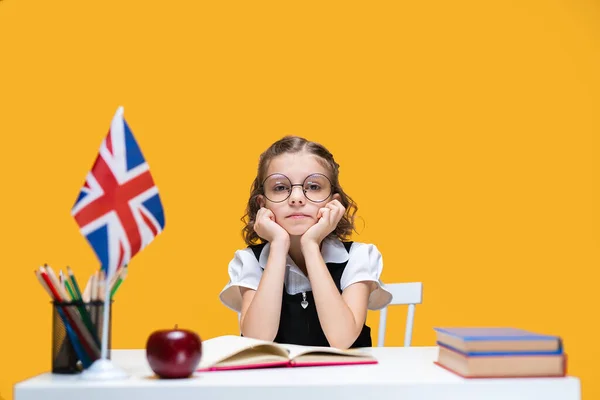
(296, 144)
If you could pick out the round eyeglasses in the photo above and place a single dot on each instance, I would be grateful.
(278, 187)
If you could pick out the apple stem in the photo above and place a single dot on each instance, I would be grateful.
(175, 326)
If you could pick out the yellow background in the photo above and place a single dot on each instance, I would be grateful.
(466, 131)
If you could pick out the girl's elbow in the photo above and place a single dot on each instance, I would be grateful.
(267, 336)
(341, 346)
(343, 343)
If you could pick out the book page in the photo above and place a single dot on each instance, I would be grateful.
(298, 350)
(221, 348)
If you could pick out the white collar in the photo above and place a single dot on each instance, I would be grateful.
(332, 251)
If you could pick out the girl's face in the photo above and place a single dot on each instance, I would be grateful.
(296, 213)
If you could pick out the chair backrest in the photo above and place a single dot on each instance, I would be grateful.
(403, 294)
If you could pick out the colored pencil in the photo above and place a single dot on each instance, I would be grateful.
(88, 342)
(48, 286)
(120, 278)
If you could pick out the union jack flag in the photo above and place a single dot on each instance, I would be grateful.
(118, 209)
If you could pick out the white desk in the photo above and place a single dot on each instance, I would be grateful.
(405, 373)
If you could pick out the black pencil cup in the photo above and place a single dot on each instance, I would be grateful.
(77, 335)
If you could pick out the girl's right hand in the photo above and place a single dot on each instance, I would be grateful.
(266, 227)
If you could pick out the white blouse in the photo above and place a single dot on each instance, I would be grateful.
(364, 264)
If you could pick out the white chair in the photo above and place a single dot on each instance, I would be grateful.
(403, 294)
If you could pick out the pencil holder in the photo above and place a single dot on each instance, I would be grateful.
(77, 334)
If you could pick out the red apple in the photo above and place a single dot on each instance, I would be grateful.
(173, 353)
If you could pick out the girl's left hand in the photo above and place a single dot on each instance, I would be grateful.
(328, 219)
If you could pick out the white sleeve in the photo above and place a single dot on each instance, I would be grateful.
(366, 264)
(244, 270)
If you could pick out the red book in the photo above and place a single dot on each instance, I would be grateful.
(236, 352)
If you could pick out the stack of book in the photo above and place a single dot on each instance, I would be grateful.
(500, 353)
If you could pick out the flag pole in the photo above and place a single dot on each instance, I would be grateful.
(103, 368)
(105, 326)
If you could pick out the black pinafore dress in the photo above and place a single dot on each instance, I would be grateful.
(299, 321)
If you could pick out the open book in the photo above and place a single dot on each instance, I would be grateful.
(237, 352)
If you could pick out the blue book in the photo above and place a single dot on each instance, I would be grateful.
(491, 341)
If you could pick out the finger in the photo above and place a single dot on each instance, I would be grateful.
(325, 214)
(256, 220)
(342, 210)
(335, 202)
(333, 216)
(335, 205)
(264, 212)
(269, 214)
(336, 210)
(320, 212)
(332, 212)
